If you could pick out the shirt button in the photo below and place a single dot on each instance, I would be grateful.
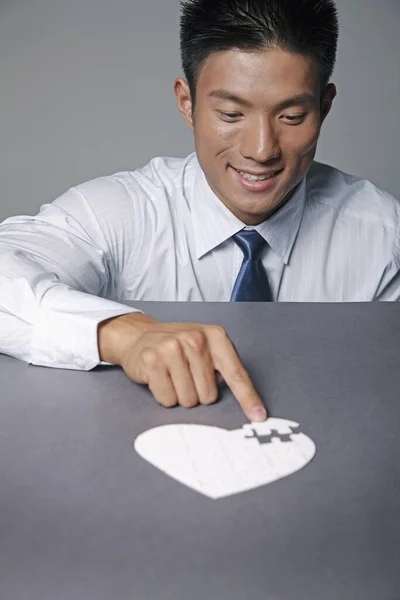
(79, 363)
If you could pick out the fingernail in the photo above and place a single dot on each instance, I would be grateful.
(258, 413)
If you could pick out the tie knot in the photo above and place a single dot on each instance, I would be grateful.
(251, 243)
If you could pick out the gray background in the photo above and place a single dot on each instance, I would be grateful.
(87, 90)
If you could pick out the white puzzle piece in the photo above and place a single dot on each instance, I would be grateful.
(219, 463)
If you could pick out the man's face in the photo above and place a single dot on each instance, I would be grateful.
(259, 113)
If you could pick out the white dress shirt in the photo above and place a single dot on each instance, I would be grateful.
(160, 233)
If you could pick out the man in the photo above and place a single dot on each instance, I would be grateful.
(248, 217)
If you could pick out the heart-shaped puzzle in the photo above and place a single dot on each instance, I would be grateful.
(218, 463)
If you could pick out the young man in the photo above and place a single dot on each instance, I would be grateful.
(248, 217)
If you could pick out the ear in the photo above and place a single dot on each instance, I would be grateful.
(327, 99)
(182, 94)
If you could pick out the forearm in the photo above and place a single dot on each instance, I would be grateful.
(46, 322)
(61, 331)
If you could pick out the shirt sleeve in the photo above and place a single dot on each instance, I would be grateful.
(59, 275)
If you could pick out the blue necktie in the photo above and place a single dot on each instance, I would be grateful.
(251, 284)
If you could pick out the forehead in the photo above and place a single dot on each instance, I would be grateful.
(267, 74)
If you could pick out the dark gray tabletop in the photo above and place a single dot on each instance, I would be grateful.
(83, 516)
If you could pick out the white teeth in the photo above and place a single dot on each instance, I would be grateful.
(256, 177)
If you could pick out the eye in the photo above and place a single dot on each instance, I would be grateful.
(295, 118)
(230, 116)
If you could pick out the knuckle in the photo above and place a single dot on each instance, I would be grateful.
(191, 403)
(218, 330)
(189, 397)
(150, 357)
(195, 339)
(211, 398)
(172, 345)
(240, 375)
(168, 402)
(219, 334)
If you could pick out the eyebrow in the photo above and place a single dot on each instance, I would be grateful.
(299, 99)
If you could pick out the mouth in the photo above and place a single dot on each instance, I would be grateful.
(257, 182)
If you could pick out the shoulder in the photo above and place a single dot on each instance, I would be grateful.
(350, 196)
(159, 175)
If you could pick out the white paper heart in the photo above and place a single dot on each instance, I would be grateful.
(219, 463)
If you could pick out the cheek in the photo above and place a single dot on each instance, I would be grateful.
(211, 132)
(302, 142)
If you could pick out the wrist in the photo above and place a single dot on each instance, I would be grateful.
(117, 334)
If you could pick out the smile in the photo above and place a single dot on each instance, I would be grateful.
(251, 177)
(250, 182)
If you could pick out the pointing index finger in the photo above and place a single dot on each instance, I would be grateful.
(227, 362)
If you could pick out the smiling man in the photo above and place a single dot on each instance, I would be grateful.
(249, 216)
(256, 124)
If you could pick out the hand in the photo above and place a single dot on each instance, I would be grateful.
(178, 361)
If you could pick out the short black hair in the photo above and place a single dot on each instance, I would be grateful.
(306, 27)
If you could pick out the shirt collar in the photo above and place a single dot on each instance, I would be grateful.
(214, 223)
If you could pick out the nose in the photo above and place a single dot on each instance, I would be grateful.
(259, 141)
